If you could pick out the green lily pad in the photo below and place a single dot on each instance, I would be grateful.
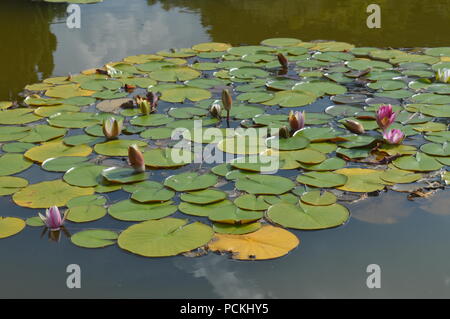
(62, 164)
(84, 176)
(167, 157)
(49, 193)
(236, 229)
(322, 179)
(18, 116)
(72, 120)
(117, 147)
(97, 200)
(164, 237)
(94, 238)
(203, 197)
(235, 216)
(151, 120)
(180, 94)
(202, 210)
(291, 99)
(43, 133)
(190, 181)
(174, 73)
(10, 226)
(436, 149)
(10, 184)
(399, 176)
(87, 213)
(13, 163)
(420, 163)
(123, 175)
(318, 198)
(308, 217)
(17, 147)
(152, 192)
(361, 180)
(55, 149)
(128, 210)
(13, 133)
(251, 202)
(264, 184)
(288, 144)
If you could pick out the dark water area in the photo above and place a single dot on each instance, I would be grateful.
(409, 240)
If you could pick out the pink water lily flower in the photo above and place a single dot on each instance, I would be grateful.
(385, 117)
(394, 136)
(53, 218)
(297, 120)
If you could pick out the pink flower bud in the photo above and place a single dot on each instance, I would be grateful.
(394, 136)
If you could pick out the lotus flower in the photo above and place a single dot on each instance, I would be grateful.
(354, 126)
(112, 128)
(282, 60)
(296, 120)
(136, 159)
(443, 75)
(394, 136)
(385, 117)
(216, 110)
(53, 218)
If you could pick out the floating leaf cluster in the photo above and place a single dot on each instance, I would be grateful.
(336, 148)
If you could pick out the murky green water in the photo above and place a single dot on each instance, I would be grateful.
(409, 240)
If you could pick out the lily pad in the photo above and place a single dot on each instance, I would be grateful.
(10, 184)
(164, 237)
(128, 210)
(190, 181)
(123, 175)
(55, 149)
(13, 163)
(117, 147)
(94, 238)
(322, 179)
(10, 226)
(308, 217)
(264, 184)
(49, 193)
(203, 197)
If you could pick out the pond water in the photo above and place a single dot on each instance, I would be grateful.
(408, 239)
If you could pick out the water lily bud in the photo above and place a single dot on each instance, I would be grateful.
(153, 100)
(53, 218)
(354, 126)
(136, 159)
(443, 75)
(394, 136)
(226, 100)
(283, 60)
(284, 132)
(112, 128)
(216, 110)
(296, 120)
(144, 105)
(385, 117)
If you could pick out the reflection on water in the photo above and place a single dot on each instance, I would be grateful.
(27, 44)
(114, 29)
